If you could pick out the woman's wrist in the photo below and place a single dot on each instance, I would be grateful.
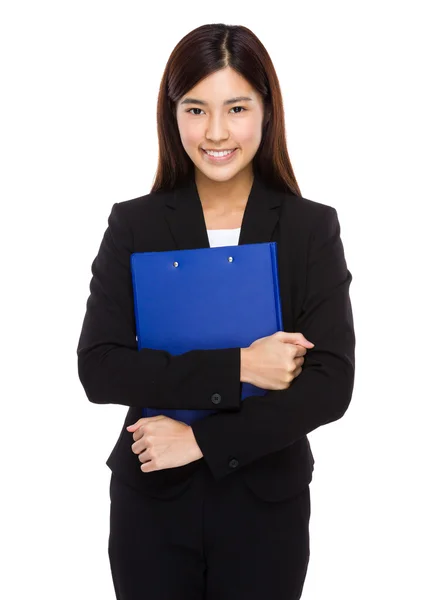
(245, 365)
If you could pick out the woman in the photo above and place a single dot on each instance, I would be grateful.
(219, 510)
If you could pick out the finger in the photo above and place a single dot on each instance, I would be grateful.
(294, 338)
(138, 446)
(300, 350)
(143, 421)
(139, 433)
(135, 426)
(145, 456)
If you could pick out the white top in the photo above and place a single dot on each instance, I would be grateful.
(223, 237)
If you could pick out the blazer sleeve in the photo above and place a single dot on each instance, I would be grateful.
(111, 368)
(321, 393)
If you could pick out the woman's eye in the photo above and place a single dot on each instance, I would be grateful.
(238, 107)
(239, 112)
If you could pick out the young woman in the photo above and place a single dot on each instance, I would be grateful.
(219, 510)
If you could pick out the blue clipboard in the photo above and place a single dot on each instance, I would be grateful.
(205, 298)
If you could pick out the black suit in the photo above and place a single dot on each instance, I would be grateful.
(264, 437)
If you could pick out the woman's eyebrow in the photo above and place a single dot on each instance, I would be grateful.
(230, 101)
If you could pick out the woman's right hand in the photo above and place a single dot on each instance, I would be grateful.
(274, 361)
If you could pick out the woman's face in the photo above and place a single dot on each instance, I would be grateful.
(209, 123)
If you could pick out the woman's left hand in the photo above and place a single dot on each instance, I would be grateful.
(163, 443)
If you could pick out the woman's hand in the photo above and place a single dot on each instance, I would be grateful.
(163, 443)
(274, 361)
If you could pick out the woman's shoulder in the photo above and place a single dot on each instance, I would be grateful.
(305, 210)
(150, 199)
(150, 203)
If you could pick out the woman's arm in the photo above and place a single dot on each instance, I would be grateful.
(321, 393)
(110, 367)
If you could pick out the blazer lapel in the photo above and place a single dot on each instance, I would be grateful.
(184, 214)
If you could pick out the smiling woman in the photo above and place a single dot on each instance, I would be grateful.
(219, 509)
(223, 119)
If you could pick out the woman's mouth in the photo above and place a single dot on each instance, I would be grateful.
(219, 159)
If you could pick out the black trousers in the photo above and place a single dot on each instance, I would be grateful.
(217, 540)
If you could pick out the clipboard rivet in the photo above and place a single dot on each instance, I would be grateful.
(175, 264)
(230, 259)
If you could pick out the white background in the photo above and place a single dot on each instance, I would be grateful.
(78, 133)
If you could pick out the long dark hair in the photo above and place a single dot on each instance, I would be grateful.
(200, 53)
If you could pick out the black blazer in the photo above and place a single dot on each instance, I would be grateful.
(263, 437)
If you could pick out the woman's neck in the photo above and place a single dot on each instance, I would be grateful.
(226, 197)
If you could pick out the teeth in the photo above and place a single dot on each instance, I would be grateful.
(219, 153)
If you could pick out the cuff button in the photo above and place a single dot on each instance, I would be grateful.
(216, 398)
